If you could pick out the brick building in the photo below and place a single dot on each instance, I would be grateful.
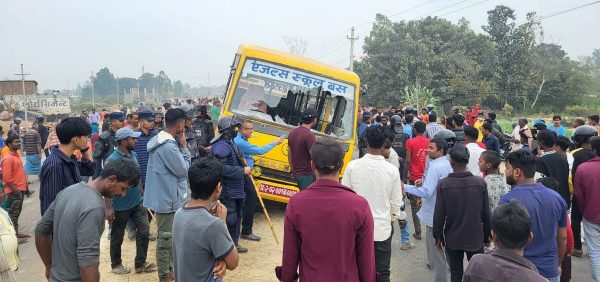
(15, 87)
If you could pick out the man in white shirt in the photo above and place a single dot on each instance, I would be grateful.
(379, 183)
(471, 135)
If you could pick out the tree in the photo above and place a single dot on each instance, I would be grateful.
(296, 45)
(104, 83)
(178, 88)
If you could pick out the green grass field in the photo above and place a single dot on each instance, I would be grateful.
(507, 126)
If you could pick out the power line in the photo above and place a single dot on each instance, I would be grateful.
(329, 44)
(399, 13)
(444, 8)
(339, 38)
(475, 4)
(567, 10)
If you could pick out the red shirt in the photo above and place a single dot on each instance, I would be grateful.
(300, 141)
(328, 232)
(13, 172)
(419, 149)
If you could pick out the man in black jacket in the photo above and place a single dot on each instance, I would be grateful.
(105, 144)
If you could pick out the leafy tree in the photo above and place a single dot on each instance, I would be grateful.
(178, 88)
(104, 82)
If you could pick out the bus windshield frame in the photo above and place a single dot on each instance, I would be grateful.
(277, 94)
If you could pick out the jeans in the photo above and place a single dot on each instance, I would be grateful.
(405, 234)
(435, 257)
(164, 244)
(413, 210)
(383, 254)
(555, 279)
(138, 215)
(592, 237)
(234, 217)
(455, 260)
(304, 181)
(14, 205)
(249, 206)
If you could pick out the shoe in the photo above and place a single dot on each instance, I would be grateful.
(241, 249)
(407, 246)
(151, 237)
(250, 237)
(417, 236)
(577, 253)
(28, 193)
(120, 270)
(146, 268)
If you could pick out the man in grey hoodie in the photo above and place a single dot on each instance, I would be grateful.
(166, 184)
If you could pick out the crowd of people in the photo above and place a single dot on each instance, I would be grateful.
(189, 171)
(520, 224)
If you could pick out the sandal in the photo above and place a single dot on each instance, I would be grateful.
(22, 240)
(146, 268)
(23, 235)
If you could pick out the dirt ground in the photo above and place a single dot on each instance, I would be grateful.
(256, 265)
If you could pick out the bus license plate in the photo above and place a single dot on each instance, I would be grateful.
(277, 191)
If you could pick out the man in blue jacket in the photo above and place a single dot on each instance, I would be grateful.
(166, 184)
(234, 176)
(249, 150)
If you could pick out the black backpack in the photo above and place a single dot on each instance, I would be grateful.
(399, 144)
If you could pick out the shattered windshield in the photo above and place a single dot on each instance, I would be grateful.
(279, 94)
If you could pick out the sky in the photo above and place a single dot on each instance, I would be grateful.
(61, 42)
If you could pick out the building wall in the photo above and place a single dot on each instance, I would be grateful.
(14, 87)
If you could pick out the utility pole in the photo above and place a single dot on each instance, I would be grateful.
(93, 98)
(352, 39)
(118, 90)
(24, 97)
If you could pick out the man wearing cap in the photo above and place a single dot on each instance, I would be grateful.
(461, 220)
(205, 132)
(234, 177)
(15, 128)
(190, 135)
(120, 209)
(105, 145)
(300, 141)
(166, 184)
(159, 123)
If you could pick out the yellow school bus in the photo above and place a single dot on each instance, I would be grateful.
(271, 89)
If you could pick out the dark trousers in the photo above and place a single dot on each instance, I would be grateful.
(249, 206)
(14, 206)
(455, 261)
(304, 181)
(576, 218)
(383, 254)
(234, 217)
(139, 216)
(565, 275)
(414, 209)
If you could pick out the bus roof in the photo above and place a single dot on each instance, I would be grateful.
(302, 62)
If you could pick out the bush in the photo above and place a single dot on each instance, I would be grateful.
(507, 110)
(578, 111)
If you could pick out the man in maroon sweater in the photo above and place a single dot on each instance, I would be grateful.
(328, 228)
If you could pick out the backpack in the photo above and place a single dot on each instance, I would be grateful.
(399, 144)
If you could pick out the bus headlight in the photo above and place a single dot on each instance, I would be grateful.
(256, 171)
